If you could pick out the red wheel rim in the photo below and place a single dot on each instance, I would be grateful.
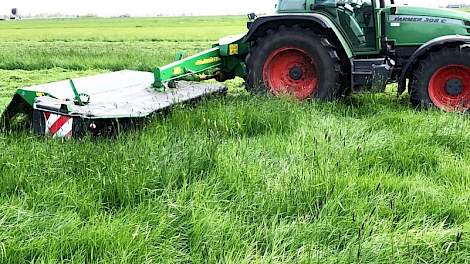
(449, 88)
(291, 71)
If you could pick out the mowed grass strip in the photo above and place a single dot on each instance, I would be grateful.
(86, 55)
(11, 80)
(129, 29)
(240, 179)
(111, 44)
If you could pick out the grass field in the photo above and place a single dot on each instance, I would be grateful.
(240, 179)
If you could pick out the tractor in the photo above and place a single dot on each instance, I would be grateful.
(308, 49)
(326, 49)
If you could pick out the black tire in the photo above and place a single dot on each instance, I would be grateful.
(317, 47)
(428, 67)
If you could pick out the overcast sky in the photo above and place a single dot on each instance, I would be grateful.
(153, 7)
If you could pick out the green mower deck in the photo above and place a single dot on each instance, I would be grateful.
(106, 99)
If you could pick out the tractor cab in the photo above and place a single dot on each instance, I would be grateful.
(355, 18)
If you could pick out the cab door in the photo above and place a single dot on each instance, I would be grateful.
(357, 20)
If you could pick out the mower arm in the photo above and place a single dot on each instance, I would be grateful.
(224, 61)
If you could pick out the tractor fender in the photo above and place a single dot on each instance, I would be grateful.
(423, 50)
(261, 24)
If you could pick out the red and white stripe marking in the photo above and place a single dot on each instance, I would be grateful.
(58, 126)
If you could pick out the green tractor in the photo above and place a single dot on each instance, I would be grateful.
(326, 49)
(320, 49)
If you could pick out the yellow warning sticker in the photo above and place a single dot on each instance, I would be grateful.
(177, 70)
(38, 94)
(208, 61)
(233, 49)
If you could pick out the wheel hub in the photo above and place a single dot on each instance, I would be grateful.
(296, 73)
(291, 71)
(454, 87)
(449, 88)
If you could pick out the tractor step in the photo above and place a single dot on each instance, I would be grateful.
(109, 99)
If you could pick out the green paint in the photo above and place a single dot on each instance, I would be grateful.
(435, 12)
(29, 96)
(429, 22)
(195, 64)
(223, 57)
(75, 92)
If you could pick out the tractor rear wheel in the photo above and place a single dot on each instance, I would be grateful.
(296, 62)
(442, 80)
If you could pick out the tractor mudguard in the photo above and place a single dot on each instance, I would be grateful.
(424, 49)
(261, 24)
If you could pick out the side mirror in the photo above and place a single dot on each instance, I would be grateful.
(341, 3)
(252, 16)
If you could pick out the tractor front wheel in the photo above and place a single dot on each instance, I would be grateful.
(442, 80)
(296, 62)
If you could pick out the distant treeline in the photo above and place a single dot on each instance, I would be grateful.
(458, 5)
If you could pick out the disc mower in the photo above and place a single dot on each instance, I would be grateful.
(309, 49)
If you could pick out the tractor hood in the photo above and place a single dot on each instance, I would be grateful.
(414, 26)
(433, 12)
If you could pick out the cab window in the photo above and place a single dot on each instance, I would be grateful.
(356, 19)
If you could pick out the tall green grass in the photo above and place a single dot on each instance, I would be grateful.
(239, 179)
(245, 180)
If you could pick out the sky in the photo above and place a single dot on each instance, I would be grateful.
(154, 7)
